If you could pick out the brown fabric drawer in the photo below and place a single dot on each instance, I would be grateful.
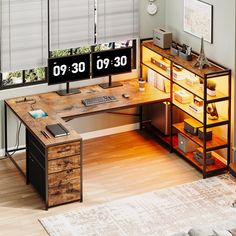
(61, 178)
(64, 193)
(63, 150)
(66, 163)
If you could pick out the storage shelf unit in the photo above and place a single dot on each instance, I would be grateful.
(211, 145)
(177, 72)
(198, 92)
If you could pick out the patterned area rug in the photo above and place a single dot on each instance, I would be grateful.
(160, 213)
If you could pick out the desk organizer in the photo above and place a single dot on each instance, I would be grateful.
(185, 56)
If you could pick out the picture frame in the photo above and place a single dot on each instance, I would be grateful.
(198, 19)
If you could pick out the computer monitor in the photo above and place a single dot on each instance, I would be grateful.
(111, 62)
(68, 69)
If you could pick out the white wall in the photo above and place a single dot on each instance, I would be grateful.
(85, 124)
(170, 15)
(148, 22)
(223, 48)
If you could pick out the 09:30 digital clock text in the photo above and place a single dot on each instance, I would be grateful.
(75, 68)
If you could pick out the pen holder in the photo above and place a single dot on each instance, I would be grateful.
(185, 56)
(174, 51)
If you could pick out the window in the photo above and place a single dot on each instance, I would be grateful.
(116, 20)
(22, 77)
(65, 31)
(38, 75)
(23, 35)
(97, 48)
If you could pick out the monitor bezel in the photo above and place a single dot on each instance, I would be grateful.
(68, 81)
(112, 50)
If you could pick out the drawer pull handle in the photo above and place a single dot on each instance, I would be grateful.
(69, 171)
(59, 184)
(72, 190)
(66, 162)
(56, 193)
(67, 149)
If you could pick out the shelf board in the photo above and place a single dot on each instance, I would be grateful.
(218, 165)
(199, 116)
(213, 144)
(199, 92)
(189, 65)
(156, 69)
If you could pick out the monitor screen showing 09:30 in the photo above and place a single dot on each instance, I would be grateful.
(68, 69)
(111, 62)
(77, 67)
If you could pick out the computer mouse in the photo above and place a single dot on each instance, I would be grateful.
(125, 95)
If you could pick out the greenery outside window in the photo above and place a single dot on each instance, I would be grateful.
(38, 75)
(21, 78)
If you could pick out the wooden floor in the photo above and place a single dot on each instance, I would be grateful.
(114, 167)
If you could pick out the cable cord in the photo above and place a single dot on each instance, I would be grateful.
(31, 104)
(17, 139)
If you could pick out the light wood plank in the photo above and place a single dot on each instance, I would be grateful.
(114, 167)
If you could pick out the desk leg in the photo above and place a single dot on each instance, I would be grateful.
(27, 158)
(81, 170)
(7, 152)
(171, 127)
(140, 117)
(5, 124)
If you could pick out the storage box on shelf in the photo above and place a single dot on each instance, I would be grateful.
(204, 95)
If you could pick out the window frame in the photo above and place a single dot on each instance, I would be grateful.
(44, 81)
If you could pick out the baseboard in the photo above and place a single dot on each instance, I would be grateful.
(234, 154)
(2, 153)
(98, 133)
(110, 131)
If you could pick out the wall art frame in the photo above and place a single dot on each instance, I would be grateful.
(198, 19)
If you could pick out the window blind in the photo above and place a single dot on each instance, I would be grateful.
(71, 23)
(23, 34)
(117, 20)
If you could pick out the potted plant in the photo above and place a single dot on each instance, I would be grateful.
(201, 81)
(211, 88)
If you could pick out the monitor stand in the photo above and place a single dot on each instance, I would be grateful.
(110, 84)
(68, 90)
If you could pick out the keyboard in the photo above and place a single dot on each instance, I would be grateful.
(98, 100)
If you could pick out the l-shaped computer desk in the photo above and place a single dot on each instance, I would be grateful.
(54, 165)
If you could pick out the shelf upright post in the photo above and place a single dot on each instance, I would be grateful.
(140, 62)
(229, 119)
(204, 124)
(171, 106)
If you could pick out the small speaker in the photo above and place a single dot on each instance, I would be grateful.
(162, 38)
(208, 134)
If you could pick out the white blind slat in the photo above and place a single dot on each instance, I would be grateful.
(23, 34)
(71, 23)
(117, 20)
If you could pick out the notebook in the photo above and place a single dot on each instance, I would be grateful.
(57, 130)
(38, 113)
